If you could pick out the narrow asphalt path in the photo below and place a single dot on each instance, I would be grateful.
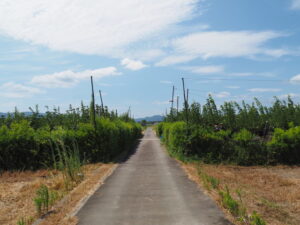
(150, 188)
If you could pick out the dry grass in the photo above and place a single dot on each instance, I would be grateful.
(17, 191)
(274, 192)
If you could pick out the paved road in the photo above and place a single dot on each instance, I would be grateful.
(150, 188)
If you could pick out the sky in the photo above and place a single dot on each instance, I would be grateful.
(136, 50)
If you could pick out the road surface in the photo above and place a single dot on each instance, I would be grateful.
(150, 188)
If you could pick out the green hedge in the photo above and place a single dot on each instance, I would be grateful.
(242, 148)
(22, 147)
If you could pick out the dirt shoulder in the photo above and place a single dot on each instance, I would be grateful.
(18, 189)
(273, 192)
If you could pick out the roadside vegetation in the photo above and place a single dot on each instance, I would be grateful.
(35, 141)
(247, 134)
(236, 135)
(65, 146)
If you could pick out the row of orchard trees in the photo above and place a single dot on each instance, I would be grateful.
(29, 141)
(245, 134)
(255, 117)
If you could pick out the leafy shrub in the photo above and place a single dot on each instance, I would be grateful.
(23, 147)
(285, 145)
(197, 142)
(249, 149)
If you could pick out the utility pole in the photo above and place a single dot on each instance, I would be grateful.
(101, 99)
(187, 97)
(185, 102)
(102, 107)
(172, 103)
(177, 104)
(92, 108)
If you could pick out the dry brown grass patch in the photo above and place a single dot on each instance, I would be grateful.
(274, 192)
(17, 190)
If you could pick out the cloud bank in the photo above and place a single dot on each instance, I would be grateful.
(69, 78)
(91, 26)
(14, 90)
(230, 44)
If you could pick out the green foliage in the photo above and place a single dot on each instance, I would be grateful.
(229, 202)
(25, 221)
(285, 145)
(69, 163)
(27, 142)
(208, 181)
(258, 119)
(256, 219)
(249, 149)
(44, 199)
(41, 200)
(225, 146)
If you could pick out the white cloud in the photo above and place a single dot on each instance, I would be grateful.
(295, 4)
(264, 89)
(145, 54)
(93, 26)
(295, 79)
(210, 44)
(14, 90)
(69, 78)
(205, 69)
(245, 74)
(222, 94)
(174, 59)
(132, 64)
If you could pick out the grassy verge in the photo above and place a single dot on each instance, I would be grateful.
(251, 195)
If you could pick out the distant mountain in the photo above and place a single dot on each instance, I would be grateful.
(156, 118)
(3, 114)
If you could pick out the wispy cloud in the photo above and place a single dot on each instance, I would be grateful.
(175, 59)
(222, 44)
(14, 90)
(222, 94)
(69, 78)
(295, 79)
(204, 69)
(264, 89)
(105, 28)
(132, 64)
(295, 4)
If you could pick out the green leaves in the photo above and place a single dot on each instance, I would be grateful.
(22, 147)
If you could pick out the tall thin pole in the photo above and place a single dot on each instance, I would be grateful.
(177, 104)
(183, 86)
(172, 98)
(172, 103)
(185, 101)
(187, 97)
(93, 112)
(101, 99)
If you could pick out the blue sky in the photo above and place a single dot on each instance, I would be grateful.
(137, 49)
